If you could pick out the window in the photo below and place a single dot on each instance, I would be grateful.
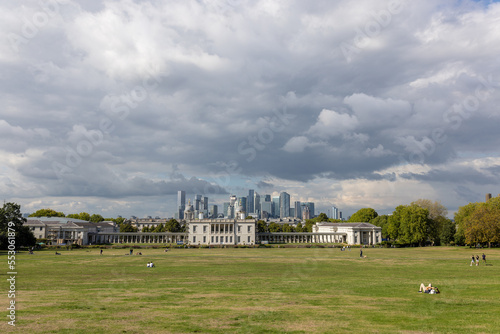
(194, 228)
(205, 229)
(239, 229)
(216, 239)
(226, 239)
(230, 228)
(204, 239)
(40, 228)
(231, 239)
(194, 239)
(239, 239)
(212, 239)
(249, 229)
(248, 238)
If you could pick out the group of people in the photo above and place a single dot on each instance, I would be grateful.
(150, 264)
(475, 260)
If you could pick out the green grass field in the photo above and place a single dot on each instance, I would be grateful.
(278, 290)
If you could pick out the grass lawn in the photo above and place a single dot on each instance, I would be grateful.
(278, 290)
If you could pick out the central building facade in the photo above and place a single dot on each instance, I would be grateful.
(221, 231)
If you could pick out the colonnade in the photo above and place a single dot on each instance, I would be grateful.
(296, 237)
(138, 237)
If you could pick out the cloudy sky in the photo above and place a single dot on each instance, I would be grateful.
(111, 107)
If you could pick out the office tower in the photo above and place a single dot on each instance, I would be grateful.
(305, 212)
(242, 201)
(291, 213)
(267, 207)
(197, 202)
(284, 205)
(181, 203)
(335, 213)
(298, 210)
(225, 209)
(213, 212)
(256, 203)
(276, 206)
(340, 215)
(310, 205)
(250, 201)
(267, 198)
(205, 203)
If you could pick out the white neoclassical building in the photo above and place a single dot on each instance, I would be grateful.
(221, 231)
(350, 233)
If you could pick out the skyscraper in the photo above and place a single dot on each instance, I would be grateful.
(250, 201)
(284, 205)
(276, 207)
(335, 213)
(181, 203)
(310, 205)
(298, 210)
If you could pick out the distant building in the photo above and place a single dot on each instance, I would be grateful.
(284, 205)
(222, 231)
(181, 203)
(335, 213)
(350, 233)
(298, 210)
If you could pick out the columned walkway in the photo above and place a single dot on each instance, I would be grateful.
(302, 237)
(137, 238)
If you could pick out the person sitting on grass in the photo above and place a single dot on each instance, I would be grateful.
(428, 289)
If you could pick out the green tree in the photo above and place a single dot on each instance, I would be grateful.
(145, 229)
(73, 215)
(483, 225)
(448, 231)
(47, 213)
(95, 218)
(413, 225)
(461, 218)
(288, 228)
(173, 226)
(299, 227)
(11, 221)
(159, 228)
(363, 215)
(437, 217)
(127, 228)
(262, 227)
(322, 217)
(381, 221)
(274, 227)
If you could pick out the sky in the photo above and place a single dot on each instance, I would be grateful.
(111, 107)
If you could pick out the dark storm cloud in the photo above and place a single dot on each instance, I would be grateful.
(230, 90)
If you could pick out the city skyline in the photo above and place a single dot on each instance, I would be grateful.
(112, 107)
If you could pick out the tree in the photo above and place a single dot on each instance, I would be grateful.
(483, 224)
(11, 221)
(274, 227)
(262, 227)
(448, 231)
(95, 218)
(381, 221)
(173, 226)
(47, 213)
(145, 229)
(322, 217)
(127, 228)
(363, 215)
(461, 218)
(413, 225)
(299, 228)
(288, 228)
(159, 228)
(437, 217)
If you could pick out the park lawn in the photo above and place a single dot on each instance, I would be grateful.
(245, 290)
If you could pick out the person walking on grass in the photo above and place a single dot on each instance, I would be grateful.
(484, 258)
(477, 260)
(472, 261)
